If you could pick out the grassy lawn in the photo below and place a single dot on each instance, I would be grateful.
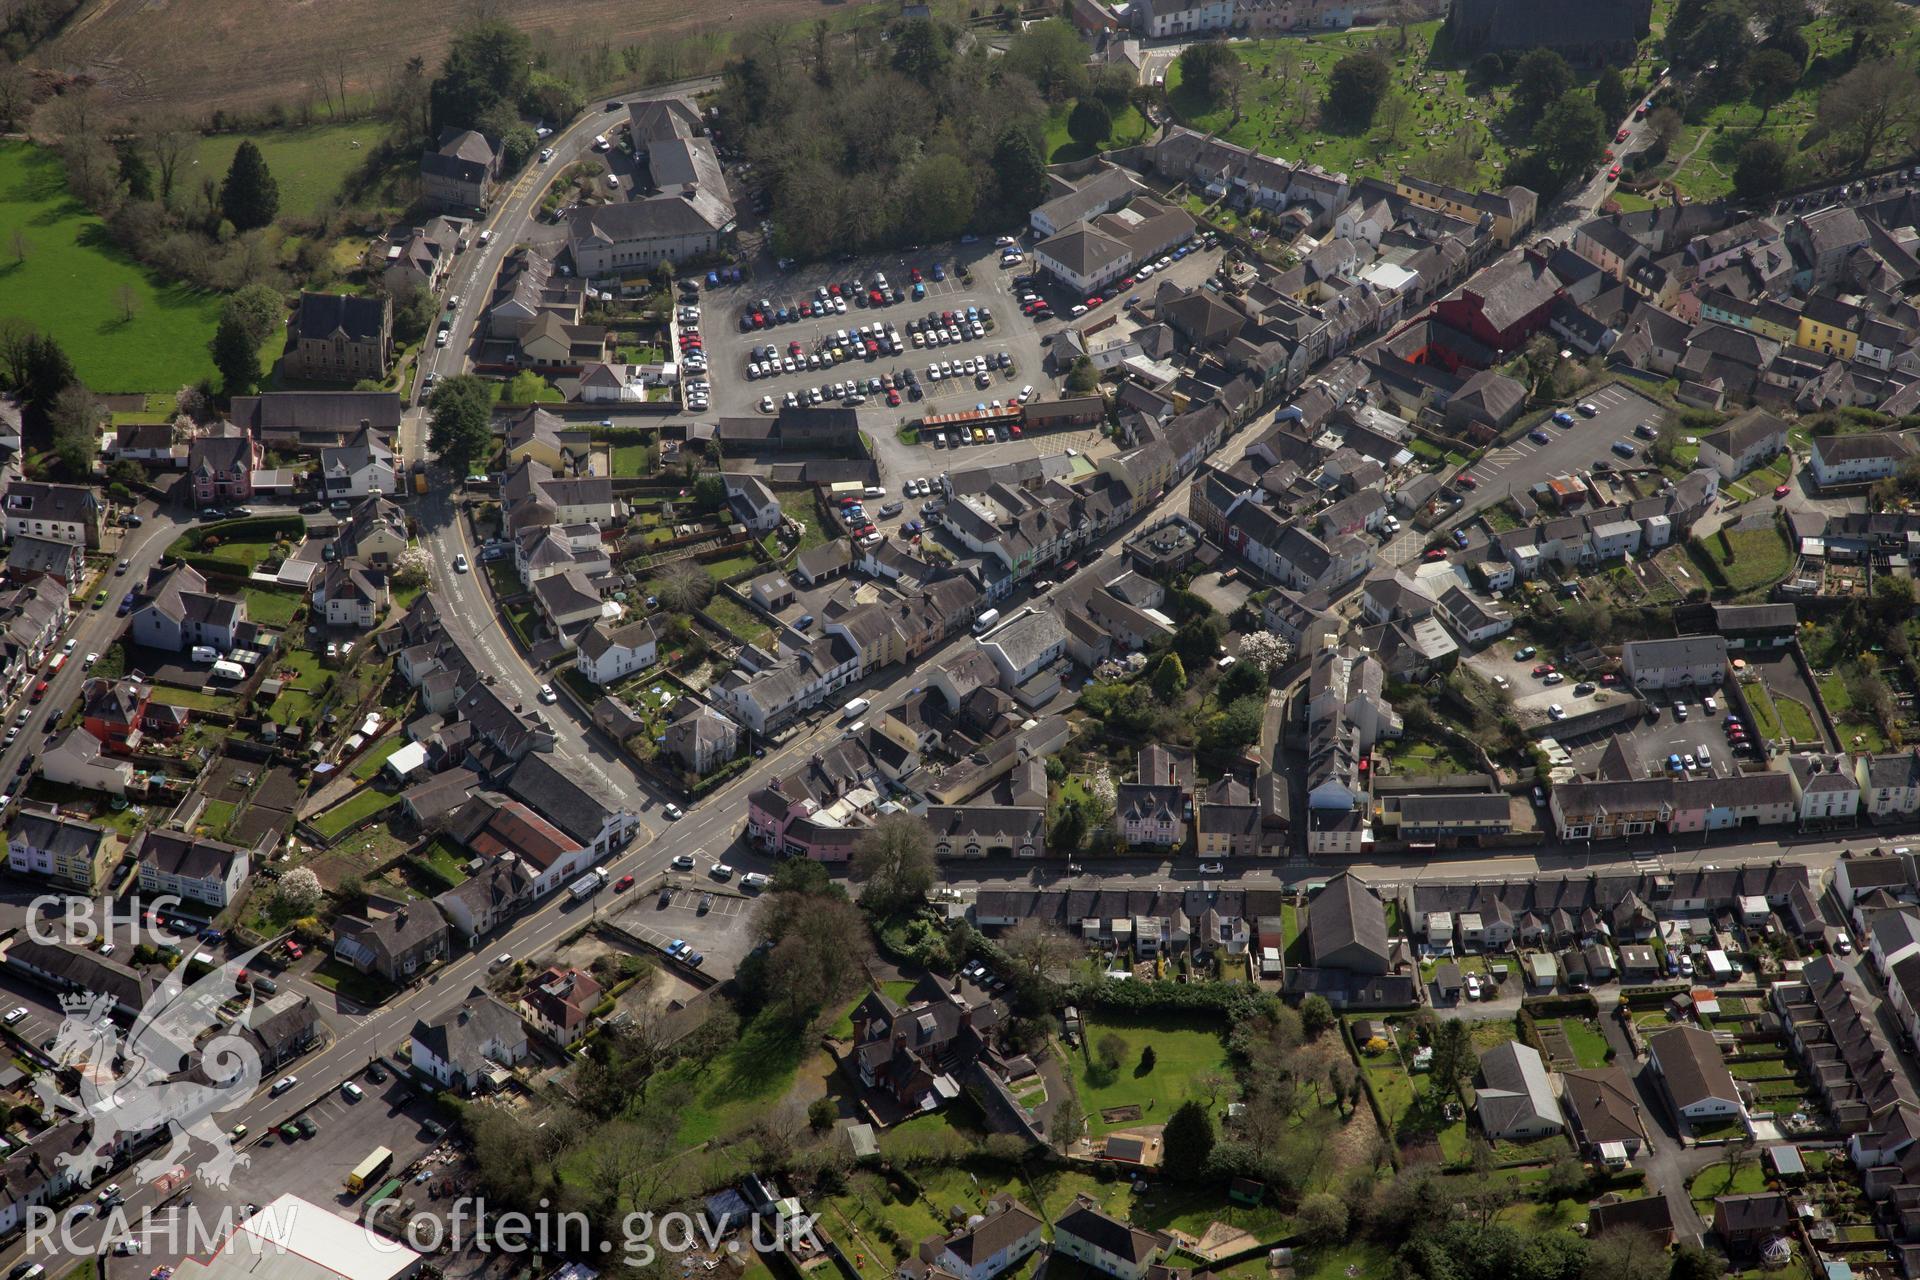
(1272, 119)
(70, 281)
(308, 164)
(1182, 1049)
(216, 817)
(1060, 148)
(1766, 718)
(371, 759)
(1295, 935)
(446, 860)
(631, 459)
(1714, 1181)
(1589, 1046)
(363, 803)
(727, 568)
(798, 505)
(270, 608)
(743, 622)
(1797, 721)
(1744, 560)
(1407, 756)
(1851, 722)
(193, 699)
(743, 1082)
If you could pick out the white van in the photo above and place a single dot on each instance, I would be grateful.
(754, 880)
(855, 709)
(205, 653)
(985, 620)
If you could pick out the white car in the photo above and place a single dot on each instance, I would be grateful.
(721, 871)
(683, 862)
(1473, 986)
(14, 1014)
(766, 404)
(283, 1084)
(1556, 711)
(460, 563)
(352, 1092)
(1213, 868)
(67, 647)
(613, 180)
(547, 695)
(91, 659)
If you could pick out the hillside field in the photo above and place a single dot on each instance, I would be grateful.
(69, 282)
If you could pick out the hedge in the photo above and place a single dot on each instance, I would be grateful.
(251, 529)
(1234, 1000)
(1561, 1006)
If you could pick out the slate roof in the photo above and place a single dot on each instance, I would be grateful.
(1347, 913)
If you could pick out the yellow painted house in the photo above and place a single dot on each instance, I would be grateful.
(1829, 326)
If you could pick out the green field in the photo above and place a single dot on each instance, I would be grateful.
(308, 164)
(70, 280)
(373, 757)
(1739, 561)
(1443, 105)
(1183, 1049)
(1128, 128)
(363, 803)
(271, 608)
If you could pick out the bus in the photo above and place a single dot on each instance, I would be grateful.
(370, 1168)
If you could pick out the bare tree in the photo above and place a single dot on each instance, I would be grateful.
(18, 243)
(1392, 115)
(127, 298)
(168, 146)
(16, 95)
(1039, 949)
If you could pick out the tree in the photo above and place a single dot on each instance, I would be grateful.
(1169, 678)
(1316, 1015)
(1040, 950)
(939, 197)
(684, 586)
(1089, 123)
(1355, 88)
(1082, 377)
(1540, 78)
(1186, 1142)
(817, 952)
(1236, 727)
(1264, 650)
(1322, 1219)
(1762, 168)
(488, 64)
(1210, 69)
(1108, 1050)
(1018, 169)
(709, 493)
(168, 146)
(460, 429)
(37, 367)
(297, 893)
(127, 299)
(1392, 116)
(249, 197)
(1871, 104)
(1568, 138)
(1052, 56)
(237, 357)
(1771, 78)
(16, 94)
(821, 1114)
(1610, 94)
(1875, 25)
(894, 859)
(1453, 1057)
(1112, 86)
(77, 418)
(1691, 1262)
(1147, 1059)
(1627, 1255)
(922, 48)
(1064, 1126)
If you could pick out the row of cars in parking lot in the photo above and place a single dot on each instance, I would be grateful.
(833, 300)
(693, 359)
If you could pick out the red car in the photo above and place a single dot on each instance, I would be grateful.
(834, 289)
(1467, 482)
(1127, 282)
(849, 502)
(1094, 301)
(623, 884)
(1544, 669)
(1782, 490)
(1613, 174)
(1607, 154)
(1620, 136)
(1014, 429)
(759, 320)
(915, 275)
(1609, 678)
(893, 399)
(874, 297)
(295, 950)
(1435, 553)
(806, 309)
